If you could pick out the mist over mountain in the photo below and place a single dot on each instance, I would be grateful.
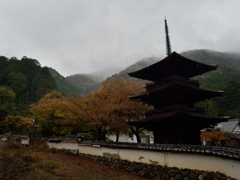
(16, 73)
(64, 85)
(228, 68)
(85, 82)
(136, 66)
(101, 75)
(222, 59)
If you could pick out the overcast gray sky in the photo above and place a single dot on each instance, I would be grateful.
(85, 36)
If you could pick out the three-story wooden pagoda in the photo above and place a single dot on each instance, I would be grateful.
(173, 93)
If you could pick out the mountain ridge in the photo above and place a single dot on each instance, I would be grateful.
(86, 83)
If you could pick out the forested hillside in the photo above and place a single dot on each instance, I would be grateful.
(79, 84)
(228, 67)
(25, 81)
(136, 66)
(227, 59)
(229, 102)
(84, 82)
(29, 81)
(226, 77)
(64, 85)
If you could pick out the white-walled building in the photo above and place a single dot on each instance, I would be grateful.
(147, 138)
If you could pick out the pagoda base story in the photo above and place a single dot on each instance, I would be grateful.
(180, 128)
(181, 137)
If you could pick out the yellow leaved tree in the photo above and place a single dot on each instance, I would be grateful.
(214, 136)
(16, 124)
(51, 116)
(110, 108)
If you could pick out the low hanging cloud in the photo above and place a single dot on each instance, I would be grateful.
(79, 36)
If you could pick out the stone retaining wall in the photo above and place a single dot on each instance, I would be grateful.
(150, 171)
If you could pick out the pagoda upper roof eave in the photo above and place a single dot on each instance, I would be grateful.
(161, 118)
(173, 85)
(173, 64)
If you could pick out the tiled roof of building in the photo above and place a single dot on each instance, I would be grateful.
(224, 152)
(229, 126)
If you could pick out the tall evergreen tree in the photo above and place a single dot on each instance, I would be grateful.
(7, 101)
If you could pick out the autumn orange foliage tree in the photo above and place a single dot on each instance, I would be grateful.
(128, 108)
(50, 114)
(213, 136)
(16, 124)
(109, 109)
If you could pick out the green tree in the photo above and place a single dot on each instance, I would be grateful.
(3, 64)
(17, 82)
(229, 102)
(210, 107)
(27, 79)
(7, 101)
(11, 65)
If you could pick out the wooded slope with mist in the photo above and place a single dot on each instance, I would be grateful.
(226, 77)
(64, 85)
(26, 80)
(30, 81)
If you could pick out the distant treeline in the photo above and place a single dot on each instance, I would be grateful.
(27, 79)
(225, 78)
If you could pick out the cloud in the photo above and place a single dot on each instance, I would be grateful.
(79, 36)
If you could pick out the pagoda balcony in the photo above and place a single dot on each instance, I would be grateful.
(169, 80)
(175, 108)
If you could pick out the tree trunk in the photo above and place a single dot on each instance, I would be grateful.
(138, 138)
(136, 133)
(117, 137)
(101, 134)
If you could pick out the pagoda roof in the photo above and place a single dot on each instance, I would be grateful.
(195, 93)
(172, 116)
(173, 64)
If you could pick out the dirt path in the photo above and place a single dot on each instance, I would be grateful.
(21, 163)
(81, 169)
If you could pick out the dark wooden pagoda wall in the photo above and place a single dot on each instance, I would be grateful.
(180, 130)
(181, 137)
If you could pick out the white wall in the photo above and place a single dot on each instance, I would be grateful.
(169, 159)
(126, 138)
(122, 138)
(63, 145)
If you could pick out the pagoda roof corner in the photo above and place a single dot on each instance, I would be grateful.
(173, 64)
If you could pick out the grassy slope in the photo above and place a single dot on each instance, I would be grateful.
(36, 162)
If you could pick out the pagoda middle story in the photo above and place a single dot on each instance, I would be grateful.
(173, 93)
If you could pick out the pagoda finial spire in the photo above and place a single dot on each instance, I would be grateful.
(168, 45)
